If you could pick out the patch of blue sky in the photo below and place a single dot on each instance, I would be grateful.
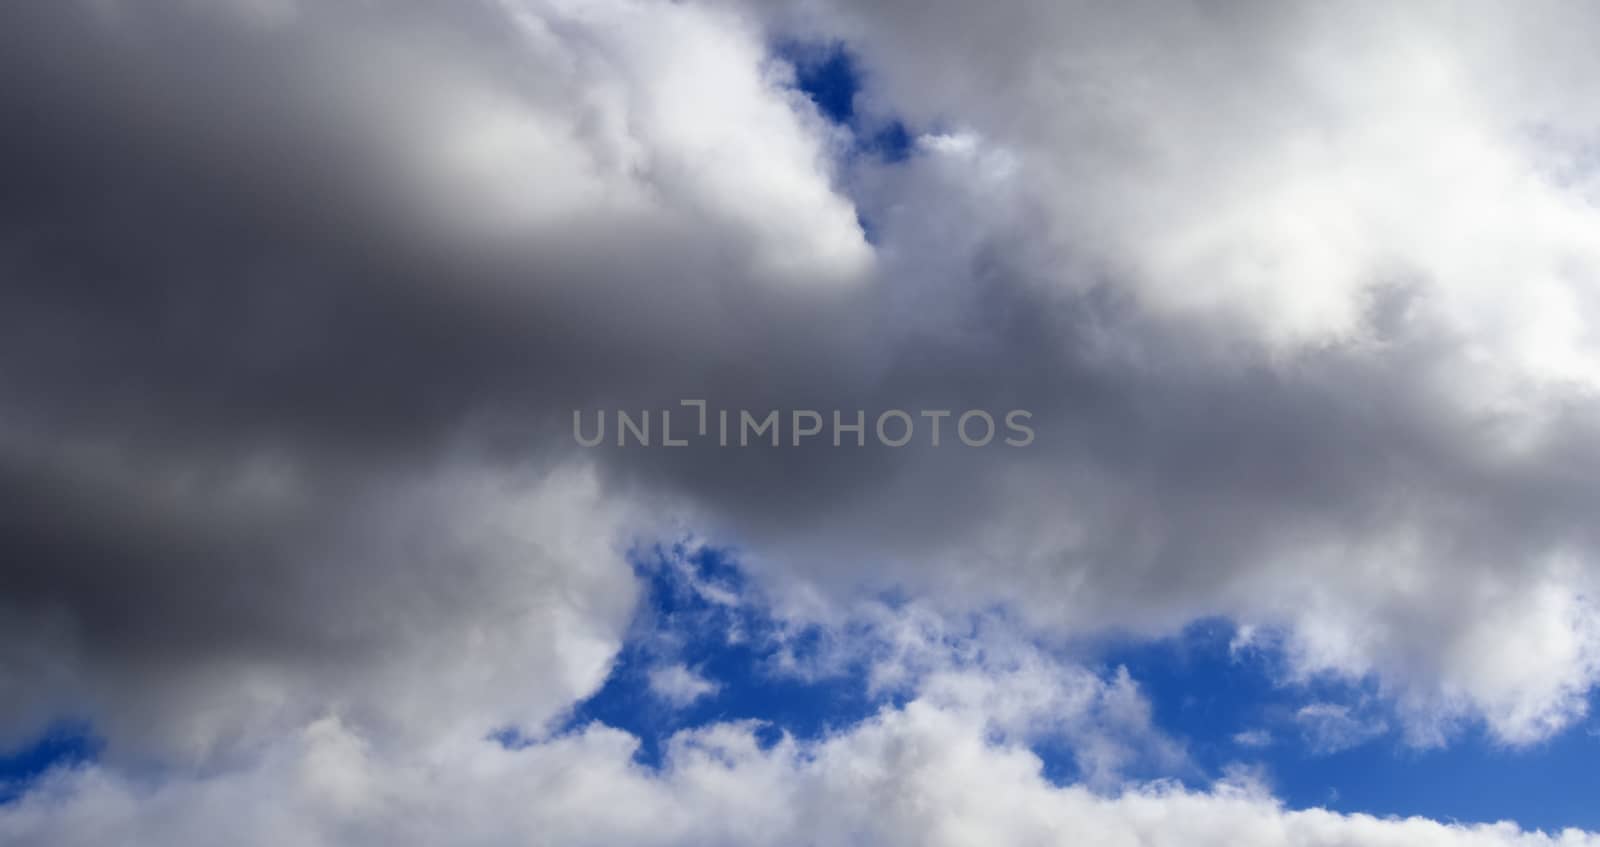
(697, 613)
(67, 744)
(830, 75)
(1234, 707)
(1228, 707)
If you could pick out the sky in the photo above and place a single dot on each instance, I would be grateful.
(302, 303)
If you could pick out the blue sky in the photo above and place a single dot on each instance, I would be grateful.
(1205, 691)
(65, 745)
(1206, 694)
(832, 77)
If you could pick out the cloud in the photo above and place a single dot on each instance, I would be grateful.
(949, 760)
(1331, 727)
(1254, 739)
(1268, 257)
(917, 775)
(1301, 300)
(347, 465)
(416, 613)
(680, 686)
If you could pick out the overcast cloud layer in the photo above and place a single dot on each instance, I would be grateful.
(299, 298)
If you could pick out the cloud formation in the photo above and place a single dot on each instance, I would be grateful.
(299, 299)
(916, 776)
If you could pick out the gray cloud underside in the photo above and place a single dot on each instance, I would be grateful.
(298, 301)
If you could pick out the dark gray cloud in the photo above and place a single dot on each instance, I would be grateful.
(297, 307)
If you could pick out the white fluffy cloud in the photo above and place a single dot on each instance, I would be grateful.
(921, 775)
(1388, 208)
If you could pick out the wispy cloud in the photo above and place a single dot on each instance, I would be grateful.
(679, 685)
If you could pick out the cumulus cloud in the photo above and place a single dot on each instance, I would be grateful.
(422, 612)
(916, 776)
(953, 762)
(1317, 300)
(299, 299)
(341, 459)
